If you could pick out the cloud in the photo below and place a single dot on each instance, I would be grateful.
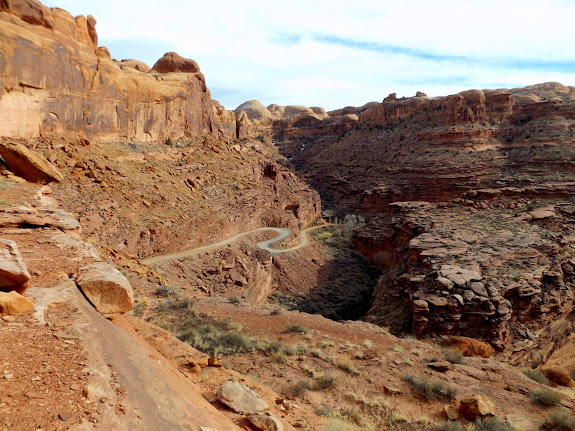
(336, 53)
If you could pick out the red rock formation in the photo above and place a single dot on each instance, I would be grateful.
(55, 79)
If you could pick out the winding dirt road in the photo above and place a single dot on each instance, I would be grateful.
(264, 245)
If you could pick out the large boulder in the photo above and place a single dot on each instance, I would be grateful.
(240, 398)
(470, 346)
(106, 288)
(14, 303)
(172, 62)
(557, 374)
(14, 274)
(28, 164)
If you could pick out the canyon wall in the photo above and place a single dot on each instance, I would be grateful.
(54, 79)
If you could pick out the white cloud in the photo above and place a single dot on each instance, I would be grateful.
(243, 48)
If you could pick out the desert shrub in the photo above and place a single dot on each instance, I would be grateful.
(268, 348)
(279, 357)
(234, 300)
(559, 420)
(163, 291)
(323, 411)
(352, 416)
(296, 329)
(276, 311)
(317, 353)
(537, 376)
(324, 382)
(346, 364)
(212, 341)
(429, 390)
(301, 348)
(139, 308)
(449, 426)
(492, 424)
(545, 397)
(454, 356)
(168, 304)
(300, 388)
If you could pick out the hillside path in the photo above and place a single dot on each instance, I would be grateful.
(264, 245)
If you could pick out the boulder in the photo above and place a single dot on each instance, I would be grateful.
(476, 406)
(14, 303)
(172, 62)
(470, 346)
(28, 164)
(106, 288)
(14, 274)
(558, 375)
(266, 421)
(240, 398)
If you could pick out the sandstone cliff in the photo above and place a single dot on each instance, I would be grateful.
(55, 79)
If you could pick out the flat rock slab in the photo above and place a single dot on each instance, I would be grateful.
(28, 164)
(14, 274)
(106, 288)
(240, 398)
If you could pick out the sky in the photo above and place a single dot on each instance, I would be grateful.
(342, 53)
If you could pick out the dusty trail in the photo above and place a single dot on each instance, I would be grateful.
(264, 245)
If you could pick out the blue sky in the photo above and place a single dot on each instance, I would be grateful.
(337, 53)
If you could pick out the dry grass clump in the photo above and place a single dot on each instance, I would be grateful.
(346, 364)
(449, 426)
(296, 329)
(430, 390)
(545, 398)
(559, 420)
(492, 424)
(213, 341)
(454, 356)
(300, 388)
(537, 376)
(324, 382)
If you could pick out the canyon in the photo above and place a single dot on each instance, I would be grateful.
(137, 216)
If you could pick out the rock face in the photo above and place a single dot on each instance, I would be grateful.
(14, 274)
(28, 164)
(106, 288)
(13, 303)
(241, 398)
(54, 79)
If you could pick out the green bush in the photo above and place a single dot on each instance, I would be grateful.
(545, 397)
(493, 424)
(559, 420)
(537, 376)
(324, 382)
(429, 390)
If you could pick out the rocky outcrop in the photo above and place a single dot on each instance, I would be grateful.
(171, 62)
(476, 406)
(28, 164)
(54, 79)
(41, 217)
(14, 275)
(106, 288)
